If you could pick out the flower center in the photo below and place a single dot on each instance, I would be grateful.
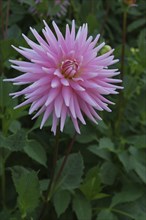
(69, 68)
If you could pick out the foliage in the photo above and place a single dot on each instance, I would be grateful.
(105, 174)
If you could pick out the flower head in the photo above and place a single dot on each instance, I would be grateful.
(65, 76)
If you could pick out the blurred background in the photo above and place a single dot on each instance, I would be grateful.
(105, 176)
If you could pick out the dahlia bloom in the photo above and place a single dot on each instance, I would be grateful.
(65, 76)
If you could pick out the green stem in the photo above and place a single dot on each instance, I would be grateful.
(121, 102)
(65, 159)
(92, 6)
(54, 165)
(54, 180)
(52, 174)
(105, 19)
(2, 19)
(123, 43)
(7, 18)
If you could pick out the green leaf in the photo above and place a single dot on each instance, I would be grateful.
(28, 2)
(106, 143)
(106, 215)
(129, 193)
(4, 154)
(6, 49)
(5, 214)
(27, 186)
(136, 24)
(102, 127)
(103, 153)
(91, 186)
(139, 141)
(124, 157)
(61, 201)
(35, 151)
(88, 135)
(15, 126)
(14, 32)
(92, 21)
(108, 173)
(38, 122)
(71, 176)
(5, 89)
(138, 154)
(14, 142)
(142, 47)
(44, 184)
(82, 207)
(129, 83)
(20, 112)
(136, 209)
(139, 168)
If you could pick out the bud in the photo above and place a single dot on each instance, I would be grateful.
(105, 49)
(134, 50)
(130, 2)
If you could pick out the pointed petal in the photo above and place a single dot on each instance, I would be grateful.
(52, 95)
(47, 113)
(54, 124)
(66, 93)
(63, 117)
(58, 105)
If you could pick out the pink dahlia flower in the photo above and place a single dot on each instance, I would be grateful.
(65, 76)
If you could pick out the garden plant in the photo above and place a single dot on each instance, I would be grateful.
(72, 110)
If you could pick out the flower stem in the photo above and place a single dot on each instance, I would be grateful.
(54, 180)
(123, 43)
(7, 18)
(2, 19)
(121, 97)
(52, 174)
(105, 18)
(54, 164)
(65, 159)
